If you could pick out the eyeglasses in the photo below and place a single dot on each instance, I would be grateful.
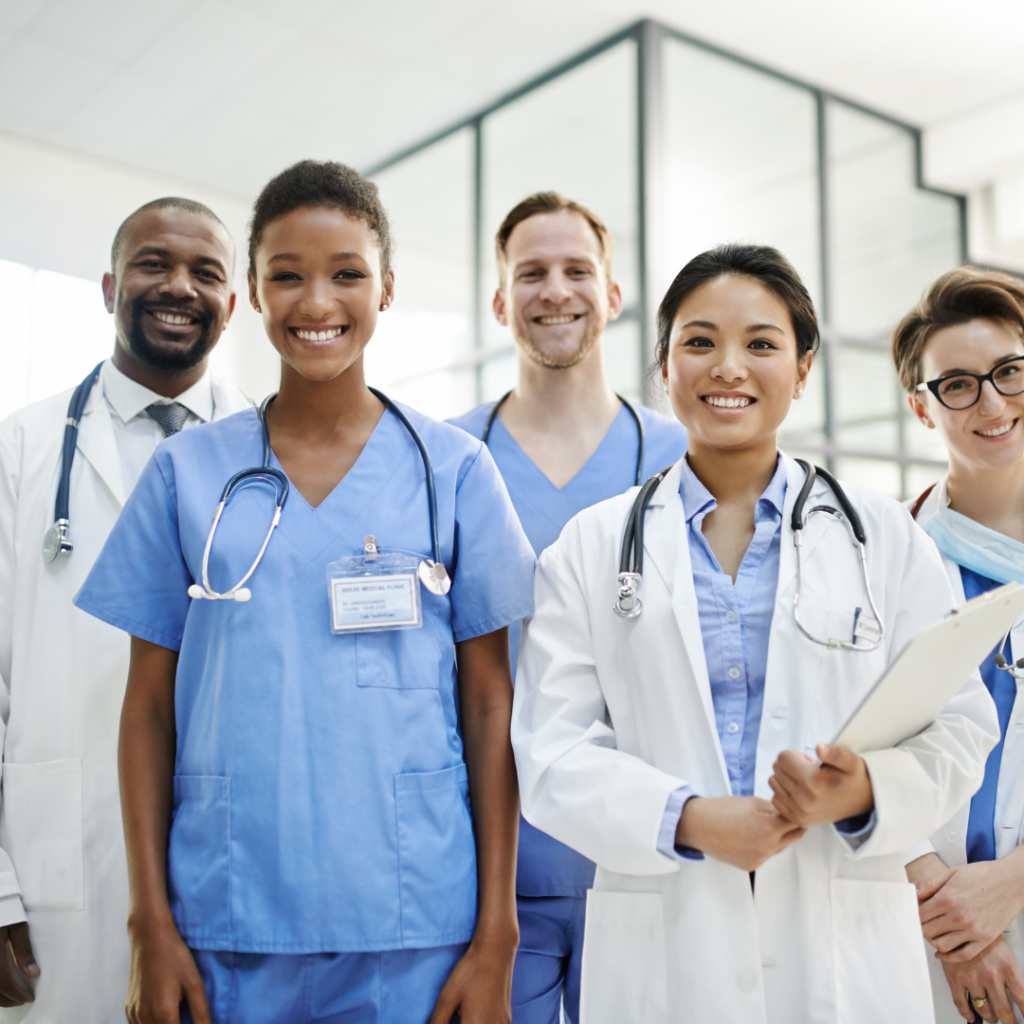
(962, 390)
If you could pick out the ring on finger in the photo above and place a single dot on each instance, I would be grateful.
(979, 1003)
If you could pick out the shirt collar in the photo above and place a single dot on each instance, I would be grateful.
(129, 399)
(698, 499)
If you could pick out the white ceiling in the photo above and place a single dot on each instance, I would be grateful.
(227, 92)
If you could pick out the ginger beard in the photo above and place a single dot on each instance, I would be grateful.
(559, 360)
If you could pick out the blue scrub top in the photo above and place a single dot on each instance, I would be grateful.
(547, 867)
(981, 827)
(320, 792)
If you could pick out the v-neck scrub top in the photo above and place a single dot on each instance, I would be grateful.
(545, 866)
(320, 792)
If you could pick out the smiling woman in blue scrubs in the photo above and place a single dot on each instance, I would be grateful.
(297, 801)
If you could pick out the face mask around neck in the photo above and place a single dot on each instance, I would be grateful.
(980, 549)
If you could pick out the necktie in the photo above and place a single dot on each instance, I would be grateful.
(170, 417)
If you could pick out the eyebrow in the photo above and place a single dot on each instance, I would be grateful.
(156, 250)
(292, 257)
(997, 362)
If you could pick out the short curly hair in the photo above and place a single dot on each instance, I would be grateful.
(957, 297)
(314, 183)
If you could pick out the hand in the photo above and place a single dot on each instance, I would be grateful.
(15, 936)
(965, 910)
(820, 794)
(479, 989)
(988, 976)
(163, 973)
(740, 830)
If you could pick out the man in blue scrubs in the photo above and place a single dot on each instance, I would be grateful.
(563, 441)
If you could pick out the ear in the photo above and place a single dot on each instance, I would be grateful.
(614, 301)
(803, 370)
(499, 307)
(254, 299)
(387, 295)
(109, 286)
(920, 410)
(231, 308)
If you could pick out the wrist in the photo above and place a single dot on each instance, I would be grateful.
(499, 933)
(151, 920)
(688, 826)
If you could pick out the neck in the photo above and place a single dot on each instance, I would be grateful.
(734, 476)
(992, 497)
(167, 383)
(569, 402)
(323, 408)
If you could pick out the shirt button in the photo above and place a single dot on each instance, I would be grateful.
(730, 616)
(732, 727)
(734, 673)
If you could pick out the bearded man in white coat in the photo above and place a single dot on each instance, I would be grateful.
(63, 874)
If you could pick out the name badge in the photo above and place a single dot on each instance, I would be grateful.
(865, 627)
(374, 591)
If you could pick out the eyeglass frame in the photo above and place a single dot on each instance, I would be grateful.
(933, 385)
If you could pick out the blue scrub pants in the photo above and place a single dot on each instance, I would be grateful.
(549, 958)
(396, 987)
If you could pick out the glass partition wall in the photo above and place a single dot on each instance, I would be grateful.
(678, 146)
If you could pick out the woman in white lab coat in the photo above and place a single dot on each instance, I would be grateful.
(960, 356)
(674, 748)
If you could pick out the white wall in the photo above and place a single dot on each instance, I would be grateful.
(58, 213)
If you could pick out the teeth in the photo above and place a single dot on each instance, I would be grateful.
(727, 403)
(171, 318)
(319, 335)
(997, 431)
(550, 321)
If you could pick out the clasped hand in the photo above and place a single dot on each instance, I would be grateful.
(746, 831)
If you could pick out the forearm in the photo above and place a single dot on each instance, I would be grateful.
(146, 767)
(925, 870)
(485, 681)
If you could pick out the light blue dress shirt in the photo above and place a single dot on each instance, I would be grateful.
(735, 624)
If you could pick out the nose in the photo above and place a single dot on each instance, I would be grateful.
(729, 366)
(178, 283)
(990, 403)
(555, 287)
(317, 300)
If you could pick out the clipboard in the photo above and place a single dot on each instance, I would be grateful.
(930, 671)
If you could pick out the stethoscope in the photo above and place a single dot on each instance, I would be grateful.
(638, 476)
(432, 572)
(1012, 667)
(631, 558)
(56, 540)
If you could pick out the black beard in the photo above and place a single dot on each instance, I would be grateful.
(177, 358)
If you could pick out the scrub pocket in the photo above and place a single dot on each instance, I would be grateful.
(199, 858)
(404, 659)
(881, 969)
(623, 976)
(436, 857)
(42, 832)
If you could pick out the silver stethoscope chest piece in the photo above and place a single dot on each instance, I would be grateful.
(56, 542)
(434, 576)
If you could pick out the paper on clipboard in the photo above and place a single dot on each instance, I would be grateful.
(931, 671)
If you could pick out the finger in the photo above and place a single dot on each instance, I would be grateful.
(960, 1000)
(840, 758)
(445, 1007)
(1001, 1007)
(926, 890)
(1015, 985)
(787, 810)
(21, 947)
(195, 996)
(963, 952)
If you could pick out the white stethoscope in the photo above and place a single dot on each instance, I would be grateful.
(432, 572)
(1014, 668)
(631, 558)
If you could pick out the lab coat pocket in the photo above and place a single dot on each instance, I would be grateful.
(624, 975)
(404, 659)
(880, 964)
(42, 832)
(436, 856)
(199, 858)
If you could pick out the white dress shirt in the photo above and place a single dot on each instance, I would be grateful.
(135, 432)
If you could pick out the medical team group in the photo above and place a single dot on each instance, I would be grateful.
(263, 758)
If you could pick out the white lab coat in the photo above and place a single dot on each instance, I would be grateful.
(612, 715)
(950, 841)
(63, 674)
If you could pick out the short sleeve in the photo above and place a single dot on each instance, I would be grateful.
(492, 586)
(140, 581)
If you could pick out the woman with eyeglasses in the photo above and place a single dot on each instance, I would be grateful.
(960, 355)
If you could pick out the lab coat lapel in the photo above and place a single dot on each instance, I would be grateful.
(228, 399)
(97, 444)
(667, 547)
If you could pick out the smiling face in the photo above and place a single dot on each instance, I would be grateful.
(319, 288)
(988, 435)
(170, 292)
(732, 368)
(556, 297)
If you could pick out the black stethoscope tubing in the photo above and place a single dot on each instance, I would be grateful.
(638, 475)
(56, 540)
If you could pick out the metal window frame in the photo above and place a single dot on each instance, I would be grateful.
(648, 36)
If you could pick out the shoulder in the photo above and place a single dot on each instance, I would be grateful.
(664, 437)
(451, 449)
(474, 421)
